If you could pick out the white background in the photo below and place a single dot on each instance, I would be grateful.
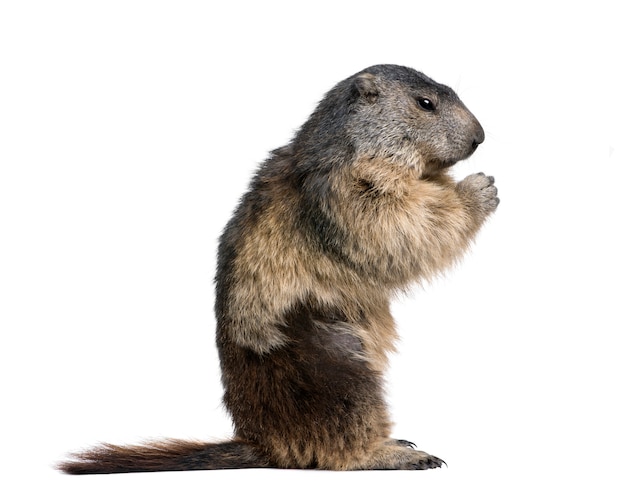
(128, 131)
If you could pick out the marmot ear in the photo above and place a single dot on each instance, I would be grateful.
(366, 86)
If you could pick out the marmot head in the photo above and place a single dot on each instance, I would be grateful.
(393, 113)
(402, 114)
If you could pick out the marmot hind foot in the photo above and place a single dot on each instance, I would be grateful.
(403, 455)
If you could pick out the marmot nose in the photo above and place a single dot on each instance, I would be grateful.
(479, 137)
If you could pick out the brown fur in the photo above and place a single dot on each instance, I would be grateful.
(358, 206)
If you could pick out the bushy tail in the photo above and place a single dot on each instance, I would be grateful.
(168, 455)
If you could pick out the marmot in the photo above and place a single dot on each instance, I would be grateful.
(357, 206)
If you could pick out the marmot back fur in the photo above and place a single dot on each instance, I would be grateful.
(358, 206)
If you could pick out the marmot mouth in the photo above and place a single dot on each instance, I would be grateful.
(442, 164)
(448, 162)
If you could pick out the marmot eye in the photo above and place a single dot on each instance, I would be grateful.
(426, 104)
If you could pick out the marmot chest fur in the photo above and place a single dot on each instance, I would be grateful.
(356, 207)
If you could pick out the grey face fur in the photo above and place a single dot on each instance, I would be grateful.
(417, 121)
